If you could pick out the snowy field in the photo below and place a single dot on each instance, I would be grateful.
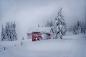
(70, 46)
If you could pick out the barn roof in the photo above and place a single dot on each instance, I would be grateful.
(40, 29)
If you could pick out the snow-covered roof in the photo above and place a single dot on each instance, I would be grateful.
(39, 29)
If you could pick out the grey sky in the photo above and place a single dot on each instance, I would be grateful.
(28, 13)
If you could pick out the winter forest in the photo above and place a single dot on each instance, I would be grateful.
(8, 32)
(42, 28)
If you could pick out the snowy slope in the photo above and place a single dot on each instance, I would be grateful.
(70, 46)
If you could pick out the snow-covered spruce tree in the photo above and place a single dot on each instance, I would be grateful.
(8, 31)
(75, 28)
(79, 27)
(83, 27)
(51, 23)
(13, 31)
(13, 34)
(2, 34)
(61, 21)
(59, 26)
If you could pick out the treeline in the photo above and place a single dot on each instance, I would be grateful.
(49, 24)
(8, 32)
(78, 27)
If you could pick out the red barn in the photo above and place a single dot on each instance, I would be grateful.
(39, 33)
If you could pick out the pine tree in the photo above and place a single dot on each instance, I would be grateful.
(11, 30)
(14, 34)
(60, 17)
(8, 31)
(2, 34)
(61, 21)
(51, 23)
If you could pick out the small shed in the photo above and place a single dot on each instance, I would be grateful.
(39, 33)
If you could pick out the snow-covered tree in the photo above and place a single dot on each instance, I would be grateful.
(2, 34)
(83, 27)
(9, 32)
(59, 26)
(14, 32)
(60, 17)
(79, 27)
(49, 24)
(61, 21)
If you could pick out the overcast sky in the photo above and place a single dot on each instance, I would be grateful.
(28, 13)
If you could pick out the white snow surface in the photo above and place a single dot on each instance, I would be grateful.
(70, 46)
